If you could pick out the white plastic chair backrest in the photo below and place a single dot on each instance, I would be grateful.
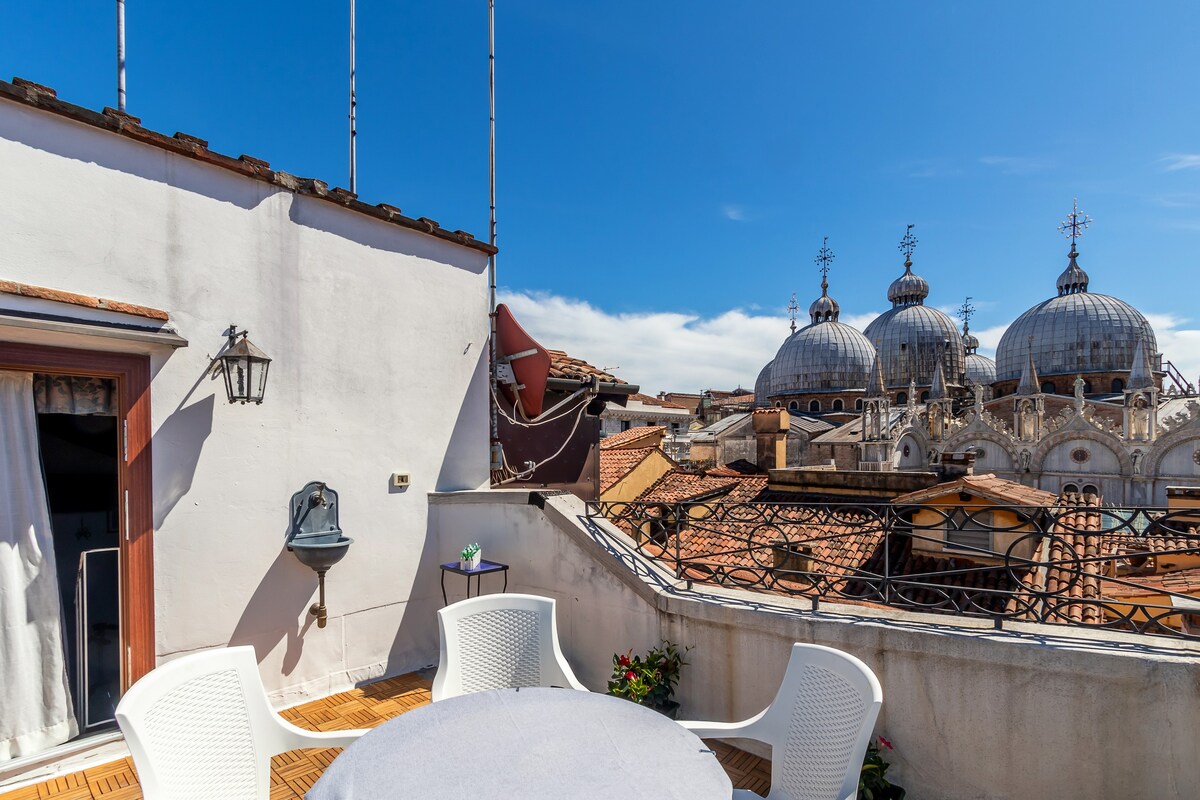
(819, 724)
(201, 727)
(499, 641)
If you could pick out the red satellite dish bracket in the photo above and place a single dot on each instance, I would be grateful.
(519, 354)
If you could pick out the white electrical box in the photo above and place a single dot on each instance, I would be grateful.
(401, 480)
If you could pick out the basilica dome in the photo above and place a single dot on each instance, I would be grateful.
(911, 337)
(825, 356)
(1077, 332)
(762, 386)
(978, 369)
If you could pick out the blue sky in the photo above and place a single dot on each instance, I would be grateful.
(667, 170)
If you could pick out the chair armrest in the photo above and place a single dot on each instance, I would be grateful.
(314, 739)
(720, 730)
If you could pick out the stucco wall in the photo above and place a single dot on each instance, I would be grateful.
(1029, 712)
(378, 335)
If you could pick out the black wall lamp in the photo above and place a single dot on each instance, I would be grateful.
(245, 368)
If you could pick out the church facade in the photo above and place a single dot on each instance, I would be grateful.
(1074, 401)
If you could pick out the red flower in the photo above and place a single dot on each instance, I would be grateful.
(623, 661)
(629, 675)
(886, 743)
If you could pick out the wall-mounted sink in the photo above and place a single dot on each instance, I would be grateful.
(321, 555)
(316, 537)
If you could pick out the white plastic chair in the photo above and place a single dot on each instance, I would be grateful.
(818, 726)
(500, 641)
(201, 727)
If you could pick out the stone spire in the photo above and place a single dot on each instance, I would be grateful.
(1029, 378)
(938, 390)
(1141, 373)
(875, 387)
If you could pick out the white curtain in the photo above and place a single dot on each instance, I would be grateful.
(35, 699)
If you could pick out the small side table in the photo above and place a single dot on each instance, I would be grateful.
(484, 568)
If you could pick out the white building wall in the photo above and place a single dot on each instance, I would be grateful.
(1029, 712)
(378, 335)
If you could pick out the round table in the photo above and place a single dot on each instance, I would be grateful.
(526, 744)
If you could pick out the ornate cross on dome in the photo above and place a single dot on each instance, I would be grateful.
(964, 313)
(907, 245)
(824, 257)
(1075, 223)
(793, 309)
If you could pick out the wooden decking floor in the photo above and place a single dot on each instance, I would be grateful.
(292, 774)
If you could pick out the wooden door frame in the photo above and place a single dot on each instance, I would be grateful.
(131, 371)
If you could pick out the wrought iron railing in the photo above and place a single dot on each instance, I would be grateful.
(1127, 569)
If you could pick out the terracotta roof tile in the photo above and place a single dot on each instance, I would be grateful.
(564, 366)
(678, 487)
(86, 301)
(616, 464)
(987, 486)
(646, 399)
(733, 468)
(620, 440)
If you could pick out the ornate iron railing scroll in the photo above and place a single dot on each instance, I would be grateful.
(1124, 569)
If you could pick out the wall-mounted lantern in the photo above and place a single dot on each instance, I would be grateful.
(315, 536)
(245, 369)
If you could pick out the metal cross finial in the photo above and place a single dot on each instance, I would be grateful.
(964, 313)
(824, 257)
(793, 309)
(907, 245)
(1075, 223)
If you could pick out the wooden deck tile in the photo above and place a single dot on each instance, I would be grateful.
(294, 773)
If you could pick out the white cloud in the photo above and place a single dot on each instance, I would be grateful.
(658, 350)
(732, 212)
(673, 351)
(1177, 200)
(989, 338)
(1178, 344)
(1180, 161)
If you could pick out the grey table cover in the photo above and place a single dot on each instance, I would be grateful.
(526, 743)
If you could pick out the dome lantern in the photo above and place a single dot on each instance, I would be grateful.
(824, 308)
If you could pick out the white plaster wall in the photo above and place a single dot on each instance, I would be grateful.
(378, 336)
(1030, 712)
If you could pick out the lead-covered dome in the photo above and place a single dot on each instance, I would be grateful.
(911, 337)
(825, 356)
(1077, 332)
(762, 386)
(977, 369)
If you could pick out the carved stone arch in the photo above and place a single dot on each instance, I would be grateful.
(918, 443)
(1167, 443)
(1106, 440)
(958, 443)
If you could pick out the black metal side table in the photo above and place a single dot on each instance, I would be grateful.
(484, 568)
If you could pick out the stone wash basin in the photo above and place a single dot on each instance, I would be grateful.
(320, 552)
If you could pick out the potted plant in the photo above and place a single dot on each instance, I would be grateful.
(470, 556)
(650, 679)
(872, 785)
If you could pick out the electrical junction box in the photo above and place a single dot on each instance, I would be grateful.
(401, 480)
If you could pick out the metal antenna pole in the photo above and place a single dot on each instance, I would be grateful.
(120, 55)
(353, 102)
(497, 461)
